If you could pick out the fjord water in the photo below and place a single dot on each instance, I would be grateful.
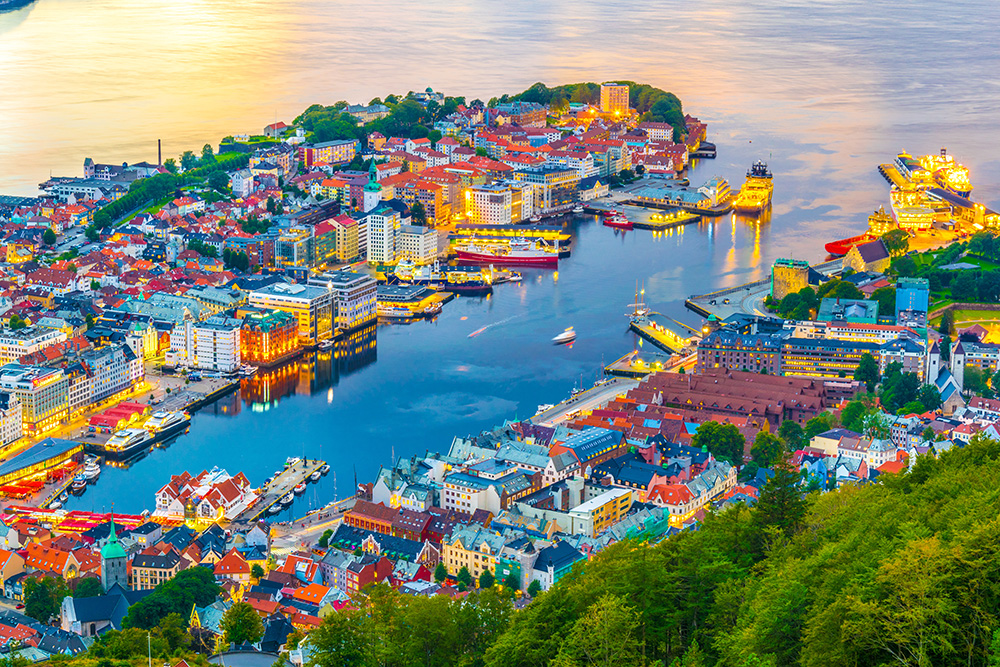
(824, 90)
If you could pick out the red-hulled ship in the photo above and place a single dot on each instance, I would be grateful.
(518, 253)
(617, 220)
(843, 246)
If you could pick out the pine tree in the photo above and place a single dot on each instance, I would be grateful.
(781, 507)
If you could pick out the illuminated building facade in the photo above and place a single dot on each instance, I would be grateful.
(267, 336)
(330, 152)
(213, 344)
(16, 344)
(354, 296)
(42, 392)
(294, 248)
(614, 99)
(311, 305)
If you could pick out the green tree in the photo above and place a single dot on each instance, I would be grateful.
(189, 160)
(781, 509)
(17, 322)
(486, 579)
(218, 180)
(819, 424)
(947, 323)
(324, 539)
(724, 441)
(897, 242)
(88, 587)
(170, 165)
(534, 588)
(974, 381)
(207, 155)
(605, 636)
(195, 586)
(43, 597)
(418, 213)
(512, 582)
(440, 572)
(257, 572)
(94, 285)
(241, 624)
(867, 371)
(853, 416)
(49, 236)
(341, 640)
(464, 576)
(792, 434)
(929, 397)
(963, 287)
(767, 450)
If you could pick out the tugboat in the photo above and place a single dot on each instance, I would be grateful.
(617, 220)
(756, 193)
(566, 337)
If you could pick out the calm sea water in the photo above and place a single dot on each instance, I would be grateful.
(823, 90)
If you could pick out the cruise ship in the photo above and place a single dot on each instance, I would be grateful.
(127, 442)
(755, 195)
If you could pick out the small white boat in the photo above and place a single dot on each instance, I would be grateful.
(287, 500)
(64, 497)
(535, 218)
(91, 471)
(578, 209)
(566, 337)
(324, 469)
(292, 461)
(54, 505)
(274, 509)
(299, 489)
(315, 476)
(326, 344)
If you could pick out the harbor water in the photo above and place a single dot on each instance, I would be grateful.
(857, 88)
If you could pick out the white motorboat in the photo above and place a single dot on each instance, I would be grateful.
(566, 337)
(91, 471)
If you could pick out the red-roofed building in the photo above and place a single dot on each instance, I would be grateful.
(232, 566)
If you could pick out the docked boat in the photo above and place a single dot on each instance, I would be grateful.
(755, 195)
(535, 218)
(299, 489)
(517, 253)
(274, 509)
(324, 469)
(247, 371)
(578, 209)
(91, 471)
(393, 312)
(163, 420)
(287, 499)
(55, 504)
(315, 476)
(543, 407)
(292, 461)
(64, 497)
(126, 442)
(843, 246)
(566, 337)
(79, 485)
(617, 220)
(326, 344)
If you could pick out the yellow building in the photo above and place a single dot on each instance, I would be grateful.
(476, 550)
(614, 99)
(598, 514)
(310, 304)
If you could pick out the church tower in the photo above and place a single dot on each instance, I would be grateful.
(373, 191)
(113, 561)
(933, 364)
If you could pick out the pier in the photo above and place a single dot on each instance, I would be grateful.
(664, 332)
(587, 400)
(279, 487)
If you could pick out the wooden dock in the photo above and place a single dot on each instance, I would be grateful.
(279, 487)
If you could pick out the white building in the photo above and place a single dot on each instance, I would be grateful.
(488, 204)
(16, 344)
(354, 296)
(10, 418)
(242, 183)
(418, 244)
(383, 235)
(213, 344)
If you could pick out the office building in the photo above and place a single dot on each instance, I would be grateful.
(268, 335)
(42, 392)
(614, 99)
(211, 345)
(15, 344)
(312, 306)
(354, 297)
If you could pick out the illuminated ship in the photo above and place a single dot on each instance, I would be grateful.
(879, 224)
(755, 195)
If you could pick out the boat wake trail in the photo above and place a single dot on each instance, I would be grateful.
(490, 326)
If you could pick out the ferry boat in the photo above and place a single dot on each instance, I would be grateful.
(394, 312)
(161, 420)
(517, 253)
(617, 220)
(755, 195)
(126, 442)
(566, 337)
(456, 279)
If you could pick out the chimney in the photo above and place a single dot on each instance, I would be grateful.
(159, 152)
